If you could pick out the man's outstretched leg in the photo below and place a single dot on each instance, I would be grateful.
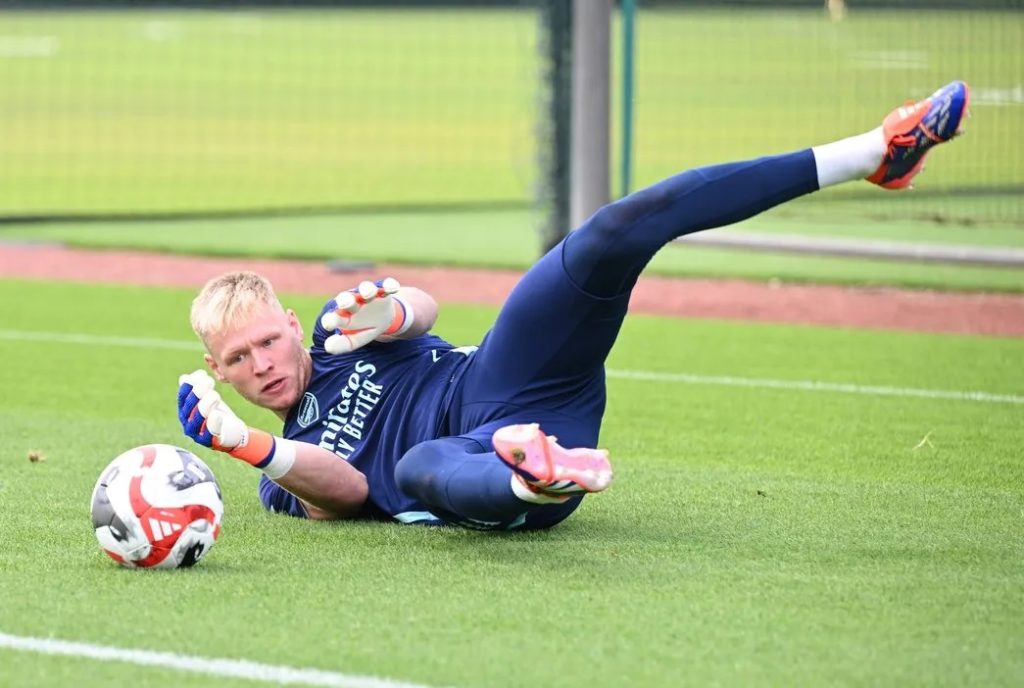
(607, 254)
(548, 346)
(562, 318)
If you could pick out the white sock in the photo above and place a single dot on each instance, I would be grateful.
(849, 159)
(527, 495)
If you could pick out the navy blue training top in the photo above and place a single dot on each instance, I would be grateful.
(369, 407)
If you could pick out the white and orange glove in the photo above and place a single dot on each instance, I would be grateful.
(207, 419)
(364, 314)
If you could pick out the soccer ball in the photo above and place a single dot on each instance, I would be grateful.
(157, 506)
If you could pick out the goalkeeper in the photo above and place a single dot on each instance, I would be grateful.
(382, 418)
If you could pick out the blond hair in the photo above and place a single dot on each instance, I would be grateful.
(226, 300)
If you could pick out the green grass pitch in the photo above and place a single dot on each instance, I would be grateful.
(753, 536)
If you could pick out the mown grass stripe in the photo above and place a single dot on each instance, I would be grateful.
(650, 376)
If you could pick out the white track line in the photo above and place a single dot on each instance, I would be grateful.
(230, 668)
(650, 376)
(814, 386)
(94, 340)
(29, 46)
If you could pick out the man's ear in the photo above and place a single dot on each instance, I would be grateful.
(293, 322)
(214, 368)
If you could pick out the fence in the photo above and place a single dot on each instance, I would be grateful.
(716, 83)
(254, 107)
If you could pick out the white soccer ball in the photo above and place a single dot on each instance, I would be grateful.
(157, 506)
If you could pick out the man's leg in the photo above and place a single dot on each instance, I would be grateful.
(562, 318)
(548, 345)
(606, 256)
(463, 480)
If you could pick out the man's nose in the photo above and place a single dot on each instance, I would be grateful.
(261, 362)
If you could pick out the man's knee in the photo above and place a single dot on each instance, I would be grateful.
(621, 227)
(623, 214)
(428, 463)
(604, 224)
(413, 472)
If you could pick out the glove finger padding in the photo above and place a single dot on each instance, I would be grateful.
(344, 343)
(228, 430)
(194, 422)
(207, 402)
(207, 419)
(191, 388)
(345, 307)
(367, 291)
(360, 315)
(186, 403)
(199, 380)
(204, 415)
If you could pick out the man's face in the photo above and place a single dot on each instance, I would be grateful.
(262, 358)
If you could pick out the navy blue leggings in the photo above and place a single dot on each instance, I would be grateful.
(543, 361)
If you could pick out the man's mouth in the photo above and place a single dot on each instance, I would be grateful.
(273, 387)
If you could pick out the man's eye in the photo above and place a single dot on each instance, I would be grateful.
(237, 358)
(267, 343)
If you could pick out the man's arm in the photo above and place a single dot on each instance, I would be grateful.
(329, 487)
